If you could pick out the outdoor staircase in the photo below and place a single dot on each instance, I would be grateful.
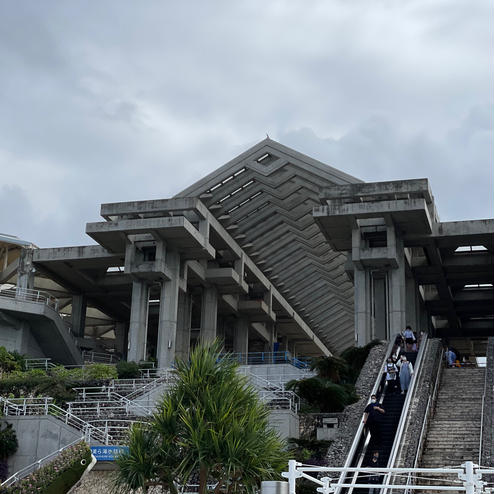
(453, 436)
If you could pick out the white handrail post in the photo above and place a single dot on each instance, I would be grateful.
(326, 488)
(292, 476)
(468, 477)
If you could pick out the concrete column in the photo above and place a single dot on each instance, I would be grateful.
(25, 271)
(121, 338)
(183, 326)
(167, 324)
(138, 327)
(379, 307)
(269, 345)
(396, 298)
(78, 319)
(412, 304)
(363, 316)
(241, 336)
(209, 313)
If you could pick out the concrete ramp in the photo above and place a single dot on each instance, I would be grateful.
(46, 326)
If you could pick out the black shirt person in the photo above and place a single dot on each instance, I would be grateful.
(371, 419)
(374, 478)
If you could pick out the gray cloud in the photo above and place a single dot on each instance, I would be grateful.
(113, 101)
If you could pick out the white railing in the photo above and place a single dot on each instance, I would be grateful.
(38, 363)
(280, 400)
(167, 377)
(116, 429)
(29, 295)
(45, 406)
(260, 382)
(116, 406)
(98, 357)
(23, 472)
(469, 478)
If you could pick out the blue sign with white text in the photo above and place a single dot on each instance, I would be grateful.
(108, 453)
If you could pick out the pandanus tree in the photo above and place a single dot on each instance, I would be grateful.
(211, 427)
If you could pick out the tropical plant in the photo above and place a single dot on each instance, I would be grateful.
(8, 362)
(322, 395)
(333, 368)
(127, 370)
(8, 446)
(355, 358)
(56, 477)
(210, 427)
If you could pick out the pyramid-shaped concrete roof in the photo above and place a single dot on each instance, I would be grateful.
(264, 198)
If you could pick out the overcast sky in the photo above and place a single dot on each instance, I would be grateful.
(122, 100)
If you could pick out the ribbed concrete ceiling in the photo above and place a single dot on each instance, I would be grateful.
(264, 198)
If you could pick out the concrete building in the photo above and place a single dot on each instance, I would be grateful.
(269, 253)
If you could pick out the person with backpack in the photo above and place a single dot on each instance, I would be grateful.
(391, 372)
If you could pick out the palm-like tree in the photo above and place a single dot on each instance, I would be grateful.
(211, 423)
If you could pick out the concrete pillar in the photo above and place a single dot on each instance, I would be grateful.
(269, 345)
(379, 307)
(412, 304)
(363, 319)
(78, 319)
(167, 324)
(183, 326)
(396, 298)
(241, 336)
(121, 338)
(25, 271)
(209, 313)
(138, 327)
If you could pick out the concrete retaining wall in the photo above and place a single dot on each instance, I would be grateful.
(416, 416)
(38, 436)
(488, 427)
(17, 335)
(285, 422)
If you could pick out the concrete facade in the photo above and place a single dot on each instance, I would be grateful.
(38, 436)
(391, 232)
(272, 251)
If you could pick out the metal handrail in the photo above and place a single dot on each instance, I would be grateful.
(30, 295)
(282, 357)
(358, 434)
(404, 412)
(166, 377)
(36, 465)
(45, 406)
(482, 416)
(98, 357)
(286, 400)
(38, 363)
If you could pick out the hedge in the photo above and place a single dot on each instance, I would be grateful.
(57, 476)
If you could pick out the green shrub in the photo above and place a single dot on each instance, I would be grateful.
(57, 476)
(127, 370)
(323, 395)
(8, 362)
(8, 441)
(356, 357)
(92, 372)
